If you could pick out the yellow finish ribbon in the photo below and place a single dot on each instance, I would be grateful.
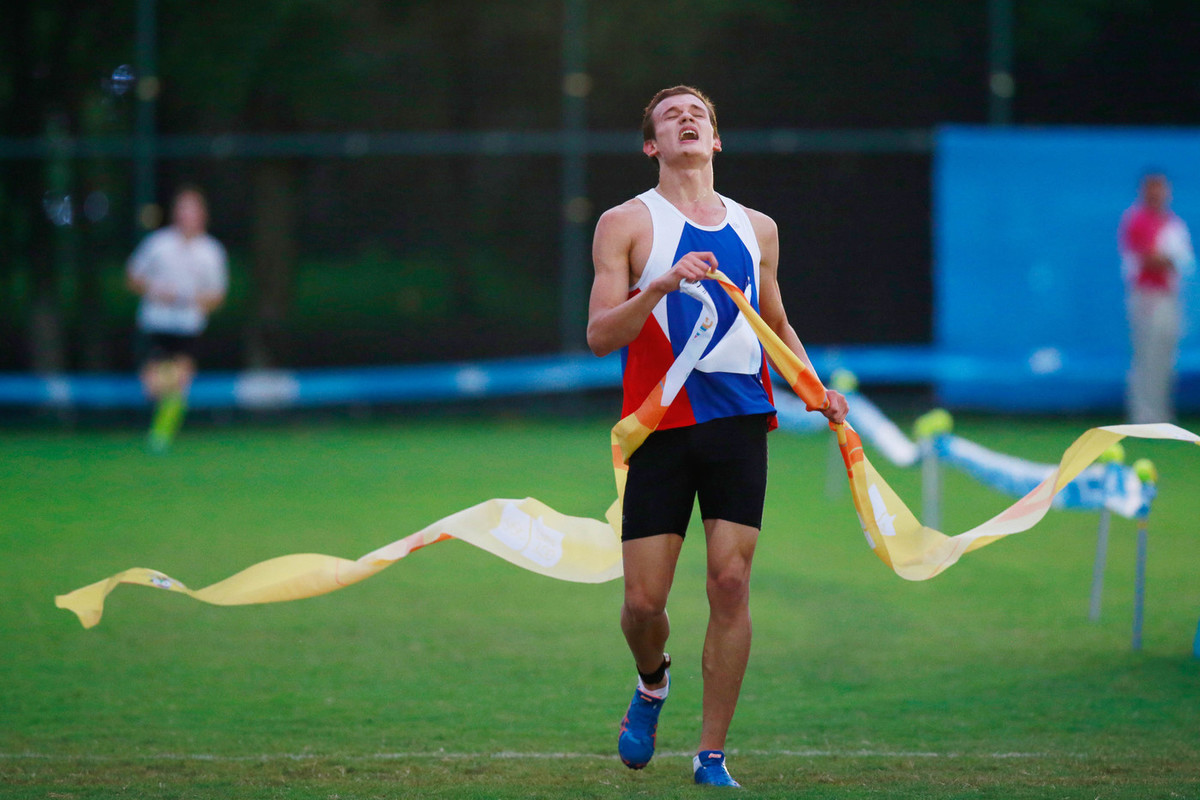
(916, 552)
(526, 532)
(534, 536)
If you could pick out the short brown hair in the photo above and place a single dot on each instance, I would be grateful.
(648, 114)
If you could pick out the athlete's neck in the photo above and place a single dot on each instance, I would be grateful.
(692, 192)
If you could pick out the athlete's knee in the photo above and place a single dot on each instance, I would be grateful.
(728, 584)
(156, 378)
(642, 606)
(185, 371)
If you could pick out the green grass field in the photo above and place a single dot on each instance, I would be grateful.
(454, 674)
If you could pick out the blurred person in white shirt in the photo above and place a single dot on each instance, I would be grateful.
(181, 273)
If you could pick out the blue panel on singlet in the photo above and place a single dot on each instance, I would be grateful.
(734, 260)
(716, 394)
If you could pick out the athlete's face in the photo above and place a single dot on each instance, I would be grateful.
(1156, 192)
(682, 127)
(190, 214)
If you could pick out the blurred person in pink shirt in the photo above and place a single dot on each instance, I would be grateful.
(1156, 255)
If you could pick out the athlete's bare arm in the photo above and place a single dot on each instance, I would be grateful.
(620, 248)
(771, 305)
(138, 286)
(210, 301)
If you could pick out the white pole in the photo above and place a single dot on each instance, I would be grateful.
(846, 382)
(928, 427)
(835, 470)
(1113, 457)
(1139, 586)
(1098, 567)
(931, 486)
(1148, 474)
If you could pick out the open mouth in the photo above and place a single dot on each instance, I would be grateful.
(689, 135)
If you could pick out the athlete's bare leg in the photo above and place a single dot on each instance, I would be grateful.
(649, 565)
(168, 382)
(727, 643)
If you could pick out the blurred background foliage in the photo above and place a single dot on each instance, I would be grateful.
(339, 259)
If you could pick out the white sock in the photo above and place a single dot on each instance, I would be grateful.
(661, 694)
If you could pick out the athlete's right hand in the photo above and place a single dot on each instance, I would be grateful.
(693, 266)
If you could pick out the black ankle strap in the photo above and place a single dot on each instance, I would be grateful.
(658, 674)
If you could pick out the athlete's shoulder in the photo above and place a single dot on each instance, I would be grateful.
(161, 236)
(631, 211)
(765, 228)
(758, 219)
(625, 220)
(156, 242)
(213, 244)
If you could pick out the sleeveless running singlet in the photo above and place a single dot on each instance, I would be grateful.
(731, 378)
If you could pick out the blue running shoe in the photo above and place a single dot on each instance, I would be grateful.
(640, 728)
(708, 768)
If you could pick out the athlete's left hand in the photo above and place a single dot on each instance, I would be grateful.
(836, 408)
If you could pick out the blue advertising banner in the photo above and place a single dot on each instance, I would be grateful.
(1026, 271)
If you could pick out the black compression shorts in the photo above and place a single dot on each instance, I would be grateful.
(164, 346)
(722, 461)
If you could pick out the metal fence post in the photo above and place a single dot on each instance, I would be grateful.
(576, 209)
(144, 145)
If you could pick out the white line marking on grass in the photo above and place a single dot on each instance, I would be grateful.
(508, 755)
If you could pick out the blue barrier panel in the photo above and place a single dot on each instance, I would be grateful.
(1026, 270)
(872, 365)
(328, 387)
(428, 382)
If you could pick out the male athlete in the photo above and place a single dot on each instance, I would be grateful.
(712, 443)
(181, 275)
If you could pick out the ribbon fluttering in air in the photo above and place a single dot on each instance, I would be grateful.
(534, 536)
(526, 532)
(916, 552)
